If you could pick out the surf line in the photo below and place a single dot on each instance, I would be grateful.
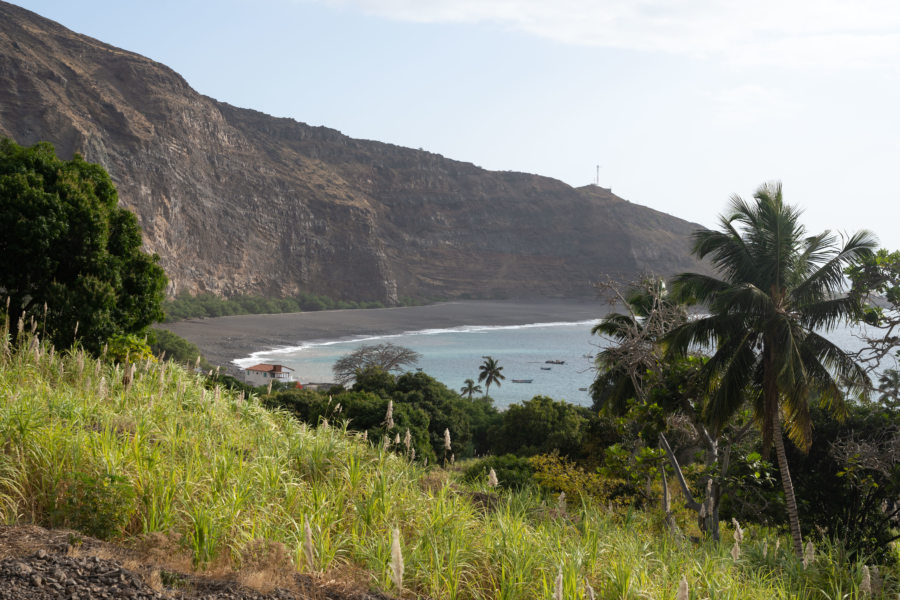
(255, 357)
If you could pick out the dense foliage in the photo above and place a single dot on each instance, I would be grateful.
(72, 258)
(210, 476)
(186, 306)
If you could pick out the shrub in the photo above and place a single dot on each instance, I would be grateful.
(513, 472)
(97, 505)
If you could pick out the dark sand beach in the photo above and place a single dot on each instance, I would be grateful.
(224, 339)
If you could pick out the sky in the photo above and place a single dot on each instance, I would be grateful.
(681, 104)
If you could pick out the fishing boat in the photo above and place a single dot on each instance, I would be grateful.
(546, 368)
(555, 362)
(522, 380)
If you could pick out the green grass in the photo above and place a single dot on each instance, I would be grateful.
(220, 473)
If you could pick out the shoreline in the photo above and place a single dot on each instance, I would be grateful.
(223, 340)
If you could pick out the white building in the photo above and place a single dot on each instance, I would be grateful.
(264, 374)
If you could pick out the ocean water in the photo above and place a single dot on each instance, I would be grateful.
(454, 355)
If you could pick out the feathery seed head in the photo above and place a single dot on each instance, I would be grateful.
(447, 439)
(738, 532)
(396, 560)
(588, 591)
(736, 552)
(389, 416)
(809, 554)
(308, 550)
(683, 590)
(865, 586)
(492, 478)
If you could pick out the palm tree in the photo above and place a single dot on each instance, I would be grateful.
(489, 372)
(469, 389)
(777, 289)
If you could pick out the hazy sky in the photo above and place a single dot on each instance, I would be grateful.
(681, 103)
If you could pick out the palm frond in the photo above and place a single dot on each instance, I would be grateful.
(731, 368)
(828, 278)
(827, 314)
(696, 286)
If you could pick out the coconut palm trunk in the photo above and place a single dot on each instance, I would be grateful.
(788, 486)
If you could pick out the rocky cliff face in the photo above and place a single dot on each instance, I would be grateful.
(235, 201)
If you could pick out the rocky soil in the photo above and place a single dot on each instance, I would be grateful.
(38, 564)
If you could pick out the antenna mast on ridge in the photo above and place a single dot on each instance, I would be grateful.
(597, 182)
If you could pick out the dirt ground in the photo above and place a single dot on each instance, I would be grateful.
(37, 564)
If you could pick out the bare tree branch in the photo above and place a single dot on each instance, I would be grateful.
(388, 357)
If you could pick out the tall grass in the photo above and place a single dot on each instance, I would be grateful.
(223, 475)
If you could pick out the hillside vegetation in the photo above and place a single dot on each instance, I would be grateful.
(119, 452)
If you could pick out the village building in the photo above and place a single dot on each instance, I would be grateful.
(264, 373)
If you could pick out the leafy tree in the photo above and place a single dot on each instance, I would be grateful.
(777, 288)
(850, 481)
(875, 280)
(469, 389)
(71, 256)
(489, 372)
(388, 357)
(469, 421)
(540, 426)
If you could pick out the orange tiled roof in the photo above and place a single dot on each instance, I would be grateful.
(267, 368)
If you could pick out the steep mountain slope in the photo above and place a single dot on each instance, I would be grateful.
(235, 201)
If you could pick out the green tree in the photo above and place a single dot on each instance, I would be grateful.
(489, 372)
(876, 281)
(777, 289)
(469, 389)
(71, 256)
(540, 426)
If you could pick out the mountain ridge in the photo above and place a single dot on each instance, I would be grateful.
(235, 201)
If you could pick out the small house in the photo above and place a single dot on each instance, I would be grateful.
(264, 374)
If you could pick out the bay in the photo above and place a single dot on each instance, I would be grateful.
(453, 355)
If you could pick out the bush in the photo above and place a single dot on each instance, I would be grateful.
(128, 349)
(513, 472)
(97, 505)
(176, 347)
(557, 474)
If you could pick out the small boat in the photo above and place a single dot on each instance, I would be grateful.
(546, 368)
(582, 389)
(522, 380)
(555, 362)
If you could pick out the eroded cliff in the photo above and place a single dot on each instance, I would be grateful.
(236, 201)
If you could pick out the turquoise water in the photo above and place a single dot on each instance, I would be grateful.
(453, 355)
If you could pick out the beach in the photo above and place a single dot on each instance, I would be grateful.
(224, 339)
